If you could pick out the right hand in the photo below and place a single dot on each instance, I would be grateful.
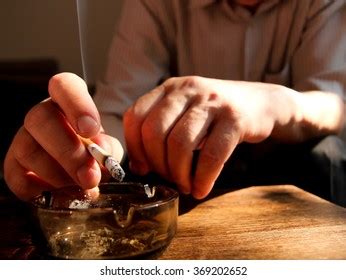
(46, 152)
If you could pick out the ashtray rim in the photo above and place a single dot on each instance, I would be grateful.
(35, 204)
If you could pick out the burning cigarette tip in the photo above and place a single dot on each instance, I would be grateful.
(115, 169)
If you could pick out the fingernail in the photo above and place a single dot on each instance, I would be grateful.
(87, 124)
(139, 167)
(198, 195)
(184, 190)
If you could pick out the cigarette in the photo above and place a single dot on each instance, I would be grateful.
(105, 159)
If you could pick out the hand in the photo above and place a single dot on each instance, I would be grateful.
(46, 152)
(164, 127)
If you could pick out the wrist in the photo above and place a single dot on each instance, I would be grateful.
(287, 110)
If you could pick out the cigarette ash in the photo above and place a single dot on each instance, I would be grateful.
(79, 204)
(115, 169)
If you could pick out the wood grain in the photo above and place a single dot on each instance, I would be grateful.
(269, 222)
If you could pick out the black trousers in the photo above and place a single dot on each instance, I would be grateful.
(318, 166)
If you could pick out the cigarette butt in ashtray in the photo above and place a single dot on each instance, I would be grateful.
(105, 159)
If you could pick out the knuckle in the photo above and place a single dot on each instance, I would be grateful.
(138, 110)
(36, 116)
(23, 146)
(27, 150)
(170, 81)
(229, 111)
(182, 82)
(56, 82)
(33, 116)
(191, 82)
(135, 112)
(214, 97)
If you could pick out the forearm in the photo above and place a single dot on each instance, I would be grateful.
(316, 114)
(323, 113)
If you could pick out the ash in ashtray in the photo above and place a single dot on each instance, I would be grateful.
(79, 204)
(101, 243)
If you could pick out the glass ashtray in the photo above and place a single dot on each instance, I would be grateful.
(122, 220)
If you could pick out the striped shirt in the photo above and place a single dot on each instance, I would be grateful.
(300, 44)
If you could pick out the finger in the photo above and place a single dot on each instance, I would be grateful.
(24, 184)
(217, 148)
(133, 120)
(157, 126)
(48, 126)
(33, 157)
(71, 94)
(183, 140)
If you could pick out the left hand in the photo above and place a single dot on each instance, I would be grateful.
(164, 127)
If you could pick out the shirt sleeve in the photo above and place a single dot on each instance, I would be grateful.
(138, 57)
(319, 62)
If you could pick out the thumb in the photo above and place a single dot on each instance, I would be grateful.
(71, 95)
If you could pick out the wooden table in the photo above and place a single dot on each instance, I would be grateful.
(265, 222)
(268, 222)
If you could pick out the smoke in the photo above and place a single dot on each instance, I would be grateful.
(82, 15)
